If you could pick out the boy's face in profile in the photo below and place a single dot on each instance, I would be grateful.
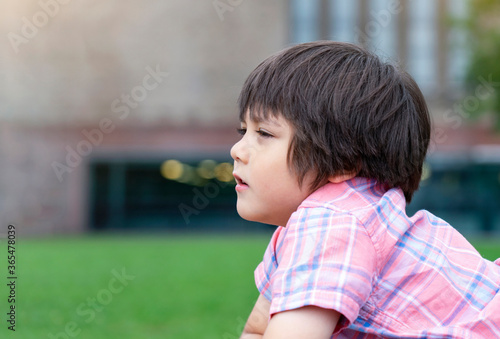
(268, 191)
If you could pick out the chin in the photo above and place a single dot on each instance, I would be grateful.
(256, 218)
(248, 215)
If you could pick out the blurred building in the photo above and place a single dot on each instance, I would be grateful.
(120, 114)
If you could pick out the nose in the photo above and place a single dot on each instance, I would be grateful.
(238, 151)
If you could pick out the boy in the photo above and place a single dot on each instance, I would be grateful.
(333, 142)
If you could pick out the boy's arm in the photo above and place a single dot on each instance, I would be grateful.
(257, 321)
(305, 322)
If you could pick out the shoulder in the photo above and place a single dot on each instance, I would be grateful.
(358, 197)
(356, 209)
(336, 216)
(323, 257)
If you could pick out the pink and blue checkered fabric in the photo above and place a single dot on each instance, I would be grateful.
(352, 248)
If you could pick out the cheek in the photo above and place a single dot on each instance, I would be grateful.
(284, 185)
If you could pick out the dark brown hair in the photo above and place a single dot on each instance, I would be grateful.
(349, 110)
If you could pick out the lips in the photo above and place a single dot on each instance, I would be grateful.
(239, 180)
(241, 185)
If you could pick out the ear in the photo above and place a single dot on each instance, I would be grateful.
(337, 179)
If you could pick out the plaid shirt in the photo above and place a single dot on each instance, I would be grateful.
(352, 248)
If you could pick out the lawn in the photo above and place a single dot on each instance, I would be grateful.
(172, 286)
(164, 286)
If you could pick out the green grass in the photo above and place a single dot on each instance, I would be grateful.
(182, 287)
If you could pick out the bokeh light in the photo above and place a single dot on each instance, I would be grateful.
(426, 172)
(172, 169)
(224, 172)
(206, 169)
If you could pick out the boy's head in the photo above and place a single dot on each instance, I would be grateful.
(350, 113)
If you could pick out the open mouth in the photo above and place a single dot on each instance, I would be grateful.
(240, 183)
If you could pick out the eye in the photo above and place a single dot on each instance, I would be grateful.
(241, 131)
(264, 133)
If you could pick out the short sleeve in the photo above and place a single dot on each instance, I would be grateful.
(325, 259)
(268, 266)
